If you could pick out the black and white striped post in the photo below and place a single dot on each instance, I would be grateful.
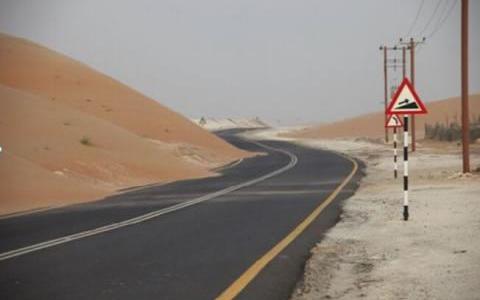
(395, 164)
(405, 167)
(394, 121)
(405, 101)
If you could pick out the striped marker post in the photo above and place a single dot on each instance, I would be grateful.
(394, 121)
(395, 164)
(405, 167)
(405, 102)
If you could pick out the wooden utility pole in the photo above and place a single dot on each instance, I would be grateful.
(404, 69)
(392, 63)
(412, 80)
(465, 117)
(385, 74)
(411, 46)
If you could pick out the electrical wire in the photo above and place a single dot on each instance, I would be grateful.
(420, 48)
(416, 18)
(445, 18)
(442, 13)
(431, 18)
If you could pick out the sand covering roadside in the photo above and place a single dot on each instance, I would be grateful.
(70, 134)
(373, 254)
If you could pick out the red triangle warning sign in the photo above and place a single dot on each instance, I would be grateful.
(406, 101)
(393, 121)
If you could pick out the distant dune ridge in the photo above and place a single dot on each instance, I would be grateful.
(371, 125)
(71, 134)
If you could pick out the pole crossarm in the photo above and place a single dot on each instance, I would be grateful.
(408, 42)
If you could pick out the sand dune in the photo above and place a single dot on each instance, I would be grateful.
(70, 134)
(371, 125)
(40, 71)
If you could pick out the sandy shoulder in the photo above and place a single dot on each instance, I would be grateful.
(373, 254)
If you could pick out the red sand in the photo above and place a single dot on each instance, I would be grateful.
(71, 134)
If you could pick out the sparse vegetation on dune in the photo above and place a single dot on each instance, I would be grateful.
(451, 131)
(85, 140)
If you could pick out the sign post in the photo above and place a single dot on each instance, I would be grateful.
(405, 167)
(406, 101)
(394, 121)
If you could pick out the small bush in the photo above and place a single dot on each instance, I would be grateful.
(451, 132)
(86, 141)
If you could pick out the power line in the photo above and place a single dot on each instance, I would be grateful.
(416, 18)
(442, 13)
(435, 30)
(431, 18)
(420, 47)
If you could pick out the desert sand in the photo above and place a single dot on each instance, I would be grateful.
(371, 125)
(70, 134)
(373, 254)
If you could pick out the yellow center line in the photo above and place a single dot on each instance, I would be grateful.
(241, 282)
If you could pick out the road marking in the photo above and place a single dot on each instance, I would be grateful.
(229, 166)
(241, 282)
(154, 214)
(232, 165)
(23, 213)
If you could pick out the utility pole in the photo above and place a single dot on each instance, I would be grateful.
(465, 118)
(412, 79)
(385, 74)
(404, 69)
(411, 46)
(393, 88)
(387, 64)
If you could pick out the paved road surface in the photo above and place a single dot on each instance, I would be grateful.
(195, 252)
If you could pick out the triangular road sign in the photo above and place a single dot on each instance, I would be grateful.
(393, 121)
(406, 101)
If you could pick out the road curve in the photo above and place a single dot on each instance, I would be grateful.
(126, 246)
(154, 214)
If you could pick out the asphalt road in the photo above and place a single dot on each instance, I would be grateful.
(194, 252)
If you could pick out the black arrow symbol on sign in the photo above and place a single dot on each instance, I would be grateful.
(404, 102)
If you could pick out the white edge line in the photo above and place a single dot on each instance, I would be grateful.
(118, 192)
(233, 165)
(23, 213)
(154, 214)
(228, 166)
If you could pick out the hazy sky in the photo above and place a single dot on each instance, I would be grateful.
(289, 61)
